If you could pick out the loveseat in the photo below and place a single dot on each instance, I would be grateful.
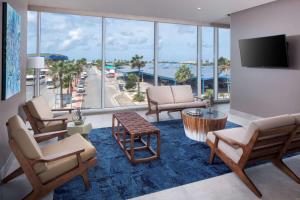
(172, 98)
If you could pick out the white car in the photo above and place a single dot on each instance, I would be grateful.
(80, 90)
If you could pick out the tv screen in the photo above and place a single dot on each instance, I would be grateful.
(264, 52)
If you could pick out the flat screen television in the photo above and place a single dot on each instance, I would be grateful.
(264, 52)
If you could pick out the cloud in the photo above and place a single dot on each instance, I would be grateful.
(183, 29)
(127, 34)
(73, 37)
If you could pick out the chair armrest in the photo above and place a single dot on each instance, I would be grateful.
(47, 136)
(61, 155)
(53, 119)
(201, 98)
(63, 109)
(231, 142)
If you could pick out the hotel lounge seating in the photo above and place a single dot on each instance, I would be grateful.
(264, 139)
(172, 98)
(51, 166)
(41, 117)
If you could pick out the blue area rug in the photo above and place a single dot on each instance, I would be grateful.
(182, 161)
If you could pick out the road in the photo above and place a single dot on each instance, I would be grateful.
(92, 98)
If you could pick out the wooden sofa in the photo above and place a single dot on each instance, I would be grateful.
(172, 98)
(264, 139)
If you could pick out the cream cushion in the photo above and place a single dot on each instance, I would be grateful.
(25, 141)
(61, 166)
(182, 93)
(39, 108)
(297, 117)
(161, 94)
(57, 125)
(237, 134)
(268, 123)
(181, 105)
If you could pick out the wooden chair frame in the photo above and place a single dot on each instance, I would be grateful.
(34, 121)
(41, 189)
(271, 144)
(157, 110)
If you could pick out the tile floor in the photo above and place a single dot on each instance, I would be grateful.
(270, 181)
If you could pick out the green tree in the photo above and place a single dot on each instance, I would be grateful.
(183, 74)
(57, 71)
(131, 81)
(137, 62)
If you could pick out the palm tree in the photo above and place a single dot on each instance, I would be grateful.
(137, 62)
(57, 71)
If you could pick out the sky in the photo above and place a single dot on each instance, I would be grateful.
(81, 36)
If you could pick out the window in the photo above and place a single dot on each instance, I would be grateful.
(177, 55)
(125, 84)
(31, 51)
(223, 63)
(71, 45)
(207, 70)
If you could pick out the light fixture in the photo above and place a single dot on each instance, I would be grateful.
(36, 63)
(199, 8)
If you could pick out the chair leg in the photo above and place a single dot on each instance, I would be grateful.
(243, 176)
(284, 168)
(157, 116)
(212, 156)
(85, 179)
(13, 175)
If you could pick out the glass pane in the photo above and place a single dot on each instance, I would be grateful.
(31, 50)
(71, 45)
(207, 69)
(177, 55)
(224, 64)
(125, 82)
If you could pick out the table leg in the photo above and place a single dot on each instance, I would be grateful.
(132, 147)
(148, 140)
(158, 144)
(124, 139)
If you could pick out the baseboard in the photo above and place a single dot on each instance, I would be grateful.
(244, 114)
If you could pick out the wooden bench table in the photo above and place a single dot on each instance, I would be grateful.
(133, 125)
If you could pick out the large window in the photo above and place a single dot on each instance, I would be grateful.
(223, 63)
(177, 56)
(31, 51)
(71, 45)
(128, 41)
(207, 70)
(137, 54)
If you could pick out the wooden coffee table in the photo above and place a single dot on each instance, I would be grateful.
(197, 126)
(130, 128)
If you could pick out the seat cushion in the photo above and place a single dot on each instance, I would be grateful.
(161, 94)
(25, 141)
(39, 108)
(61, 166)
(237, 134)
(53, 126)
(194, 104)
(182, 93)
(297, 117)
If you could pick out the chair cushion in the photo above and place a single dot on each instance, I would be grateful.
(53, 126)
(237, 134)
(268, 123)
(161, 94)
(182, 93)
(39, 108)
(25, 141)
(61, 166)
(297, 117)
(194, 104)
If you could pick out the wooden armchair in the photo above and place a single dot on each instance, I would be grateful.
(264, 139)
(41, 117)
(51, 166)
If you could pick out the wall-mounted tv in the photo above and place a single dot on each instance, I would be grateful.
(264, 52)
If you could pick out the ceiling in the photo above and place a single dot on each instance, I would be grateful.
(212, 11)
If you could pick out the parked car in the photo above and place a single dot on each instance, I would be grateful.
(80, 90)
